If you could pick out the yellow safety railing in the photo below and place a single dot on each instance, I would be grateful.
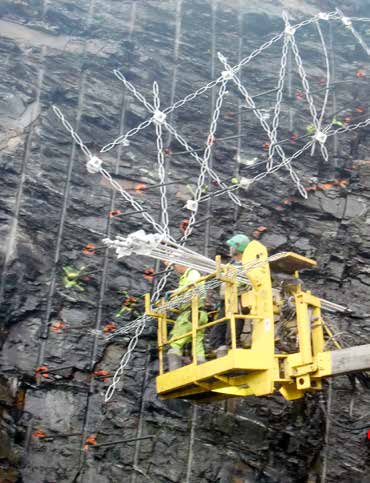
(230, 300)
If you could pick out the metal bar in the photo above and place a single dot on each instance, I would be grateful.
(326, 304)
(351, 359)
(54, 436)
(164, 328)
(214, 322)
(159, 185)
(233, 331)
(195, 322)
(129, 214)
(161, 320)
(121, 441)
(51, 371)
(331, 335)
(318, 342)
(303, 326)
(192, 285)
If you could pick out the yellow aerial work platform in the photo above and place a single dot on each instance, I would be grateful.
(262, 368)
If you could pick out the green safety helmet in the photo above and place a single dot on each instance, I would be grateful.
(239, 242)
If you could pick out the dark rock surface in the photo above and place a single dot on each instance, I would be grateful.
(64, 53)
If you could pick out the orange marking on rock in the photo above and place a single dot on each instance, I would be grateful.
(42, 371)
(90, 249)
(258, 232)
(57, 327)
(90, 441)
(299, 95)
(210, 140)
(329, 185)
(130, 300)
(140, 187)
(39, 434)
(149, 274)
(102, 375)
(109, 327)
(293, 138)
(114, 213)
(183, 225)
(325, 186)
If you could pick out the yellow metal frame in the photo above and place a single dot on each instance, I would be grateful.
(258, 370)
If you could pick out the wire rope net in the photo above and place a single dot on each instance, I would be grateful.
(159, 120)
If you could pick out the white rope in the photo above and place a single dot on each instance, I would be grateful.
(250, 102)
(328, 80)
(279, 97)
(95, 166)
(206, 158)
(169, 128)
(213, 83)
(306, 88)
(347, 22)
(160, 119)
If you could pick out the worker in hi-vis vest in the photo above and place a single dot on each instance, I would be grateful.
(183, 323)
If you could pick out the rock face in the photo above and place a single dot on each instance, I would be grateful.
(64, 53)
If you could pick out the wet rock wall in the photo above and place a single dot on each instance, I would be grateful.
(64, 53)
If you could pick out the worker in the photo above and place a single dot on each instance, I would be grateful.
(220, 336)
(183, 323)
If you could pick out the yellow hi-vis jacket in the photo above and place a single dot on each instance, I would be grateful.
(189, 277)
